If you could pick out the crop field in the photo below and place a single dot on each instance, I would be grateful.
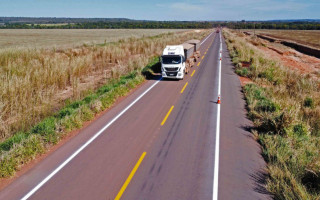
(46, 38)
(308, 37)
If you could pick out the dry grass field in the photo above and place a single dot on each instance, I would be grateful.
(46, 38)
(36, 82)
(308, 37)
(46, 93)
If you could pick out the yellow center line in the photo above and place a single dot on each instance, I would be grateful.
(184, 87)
(205, 53)
(202, 57)
(165, 118)
(198, 64)
(123, 188)
(193, 72)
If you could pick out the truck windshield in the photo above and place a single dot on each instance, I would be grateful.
(171, 59)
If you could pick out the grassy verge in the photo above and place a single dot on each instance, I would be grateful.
(25, 146)
(285, 108)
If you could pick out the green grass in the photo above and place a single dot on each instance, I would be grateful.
(285, 109)
(241, 71)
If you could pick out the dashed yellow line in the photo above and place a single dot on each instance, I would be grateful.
(202, 57)
(205, 53)
(198, 64)
(165, 118)
(123, 188)
(193, 72)
(184, 87)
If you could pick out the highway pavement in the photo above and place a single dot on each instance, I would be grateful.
(159, 143)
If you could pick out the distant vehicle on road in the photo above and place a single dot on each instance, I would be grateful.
(176, 60)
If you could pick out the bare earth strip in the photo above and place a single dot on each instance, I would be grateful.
(288, 56)
(307, 37)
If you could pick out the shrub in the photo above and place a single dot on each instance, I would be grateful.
(276, 124)
(86, 113)
(90, 98)
(266, 105)
(47, 126)
(75, 104)
(64, 112)
(268, 74)
(235, 60)
(17, 138)
(311, 180)
(300, 129)
(308, 102)
(242, 71)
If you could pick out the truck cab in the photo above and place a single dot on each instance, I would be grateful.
(173, 62)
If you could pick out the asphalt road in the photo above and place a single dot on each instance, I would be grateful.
(161, 147)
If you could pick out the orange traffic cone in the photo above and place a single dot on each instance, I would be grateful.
(219, 100)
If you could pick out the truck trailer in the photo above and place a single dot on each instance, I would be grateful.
(176, 60)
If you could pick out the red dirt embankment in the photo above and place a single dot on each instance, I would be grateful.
(288, 57)
(297, 45)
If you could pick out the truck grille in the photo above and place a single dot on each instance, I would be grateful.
(174, 69)
(171, 73)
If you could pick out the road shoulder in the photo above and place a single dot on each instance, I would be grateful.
(242, 168)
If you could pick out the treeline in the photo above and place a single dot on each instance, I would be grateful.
(135, 24)
(275, 25)
(57, 20)
(116, 25)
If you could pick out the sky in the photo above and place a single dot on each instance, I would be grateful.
(164, 9)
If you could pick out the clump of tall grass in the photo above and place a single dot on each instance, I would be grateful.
(46, 127)
(285, 108)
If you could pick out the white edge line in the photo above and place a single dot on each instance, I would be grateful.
(86, 144)
(217, 148)
(91, 140)
(206, 38)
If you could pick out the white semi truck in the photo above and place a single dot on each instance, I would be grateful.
(176, 60)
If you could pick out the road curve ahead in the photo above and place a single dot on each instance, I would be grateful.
(158, 143)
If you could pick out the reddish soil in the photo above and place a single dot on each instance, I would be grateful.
(244, 80)
(291, 58)
(295, 60)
